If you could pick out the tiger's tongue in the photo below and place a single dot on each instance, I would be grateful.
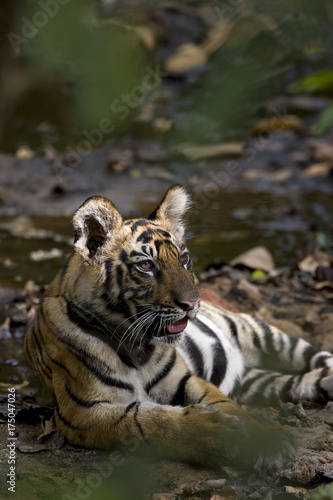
(178, 326)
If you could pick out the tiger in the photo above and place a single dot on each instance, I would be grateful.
(132, 354)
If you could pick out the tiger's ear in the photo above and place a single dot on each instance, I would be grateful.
(93, 225)
(172, 209)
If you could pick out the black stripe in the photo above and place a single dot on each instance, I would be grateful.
(146, 236)
(65, 421)
(195, 356)
(83, 402)
(247, 384)
(179, 396)
(162, 233)
(42, 364)
(320, 361)
(92, 363)
(123, 255)
(202, 397)
(218, 401)
(106, 379)
(135, 416)
(322, 395)
(258, 396)
(61, 365)
(139, 223)
(284, 394)
(205, 329)
(268, 346)
(233, 328)
(127, 409)
(163, 372)
(293, 343)
(119, 275)
(108, 265)
(219, 365)
(308, 353)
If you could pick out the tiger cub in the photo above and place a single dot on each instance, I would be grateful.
(131, 353)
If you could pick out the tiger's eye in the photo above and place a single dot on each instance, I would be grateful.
(146, 265)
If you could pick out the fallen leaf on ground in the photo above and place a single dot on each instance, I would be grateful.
(193, 152)
(316, 170)
(186, 57)
(251, 291)
(321, 151)
(146, 35)
(277, 124)
(28, 445)
(216, 37)
(50, 427)
(298, 492)
(317, 259)
(24, 153)
(255, 258)
(189, 489)
(324, 285)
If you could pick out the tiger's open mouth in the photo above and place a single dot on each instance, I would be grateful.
(173, 328)
(177, 327)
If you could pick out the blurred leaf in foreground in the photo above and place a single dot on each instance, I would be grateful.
(103, 66)
(316, 82)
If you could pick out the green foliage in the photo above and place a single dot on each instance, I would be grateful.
(98, 63)
(323, 493)
(316, 82)
(324, 121)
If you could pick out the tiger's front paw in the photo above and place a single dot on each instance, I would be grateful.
(275, 447)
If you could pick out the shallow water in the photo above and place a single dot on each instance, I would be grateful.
(219, 228)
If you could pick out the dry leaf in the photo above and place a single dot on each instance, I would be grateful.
(254, 174)
(252, 291)
(193, 152)
(256, 258)
(27, 445)
(321, 151)
(298, 492)
(146, 35)
(318, 169)
(186, 57)
(324, 285)
(277, 124)
(50, 427)
(216, 37)
(24, 153)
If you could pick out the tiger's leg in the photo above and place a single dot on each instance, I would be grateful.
(266, 347)
(209, 429)
(268, 387)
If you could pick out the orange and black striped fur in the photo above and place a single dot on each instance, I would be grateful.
(131, 355)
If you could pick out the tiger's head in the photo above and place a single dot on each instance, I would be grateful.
(136, 276)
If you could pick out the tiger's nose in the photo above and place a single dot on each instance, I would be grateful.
(188, 305)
